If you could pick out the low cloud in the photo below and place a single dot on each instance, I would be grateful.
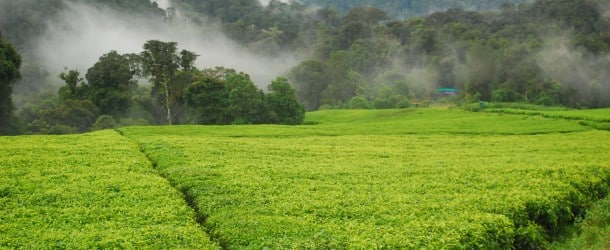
(83, 33)
(574, 68)
(266, 2)
(164, 4)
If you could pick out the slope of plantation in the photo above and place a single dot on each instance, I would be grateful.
(88, 191)
(594, 118)
(385, 122)
(441, 120)
(593, 115)
(430, 178)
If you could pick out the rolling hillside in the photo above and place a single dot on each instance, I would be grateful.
(411, 8)
(412, 178)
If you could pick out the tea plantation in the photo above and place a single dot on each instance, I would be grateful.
(351, 179)
(429, 178)
(88, 191)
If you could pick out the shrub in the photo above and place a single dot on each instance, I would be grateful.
(325, 107)
(62, 130)
(545, 101)
(358, 102)
(403, 104)
(124, 122)
(504, 95)
(104, 122)
(395, 101)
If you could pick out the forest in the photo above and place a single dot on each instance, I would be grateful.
(411, 8)
(339, 55)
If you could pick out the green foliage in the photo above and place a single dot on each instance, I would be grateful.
(161, 61)
(31, 112)
(245, 101)
(390, 98)
(409, 8)
(124, 122)
(325, 107)
(596, 115)
(188, 95)
(187, 59)
(225, 97)
(369, 179)
(506, 95)
(111, 84)
(497, 56)
(207, 98)
(546, 101)
(75, 88)
(110, 90)
(61, 129)
(544, 52)
(268, 30)
(594, 229)
(311, 80)
(594, 118)
(104, 122)
(140, 7)
(78, 114)
(435, 120)
(89, 191)
(10, 62)
(283, 104)
(358, 102)
(179, 83)
(26, 23)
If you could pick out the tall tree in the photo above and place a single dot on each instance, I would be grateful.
(10, 61)
(161, 61)
(245, 101)
(75, 88)
(73, 115)
(283, 103)
(311, 81)
(111, 84)
(207, 98)
(369, 15)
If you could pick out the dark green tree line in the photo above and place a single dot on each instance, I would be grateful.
(508, 55)
(162, 62)
(232, 98)
(544, 52)
(179, 93)
(10, 62)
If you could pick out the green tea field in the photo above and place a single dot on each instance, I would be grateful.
(433, 178)
(88, 191)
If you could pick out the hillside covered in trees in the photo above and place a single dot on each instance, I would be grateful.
(411, 8)
(385, 56)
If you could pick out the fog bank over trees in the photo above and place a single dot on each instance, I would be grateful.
(76, 33)
(348, 55)
(403, 9)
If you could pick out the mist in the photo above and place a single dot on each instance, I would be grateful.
(163, 4)
(266, 2)
(83, 33)
(575, 69)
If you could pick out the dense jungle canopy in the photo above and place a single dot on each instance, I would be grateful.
(351, 54)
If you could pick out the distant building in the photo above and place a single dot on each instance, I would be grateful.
(447, 91)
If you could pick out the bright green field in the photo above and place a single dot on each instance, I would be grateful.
(89, 191)
(352, 179)
(416, 178)
(596, 115)
(594, 118)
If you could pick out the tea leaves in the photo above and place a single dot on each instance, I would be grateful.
(88, 191)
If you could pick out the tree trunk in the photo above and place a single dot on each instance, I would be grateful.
(167, 104)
